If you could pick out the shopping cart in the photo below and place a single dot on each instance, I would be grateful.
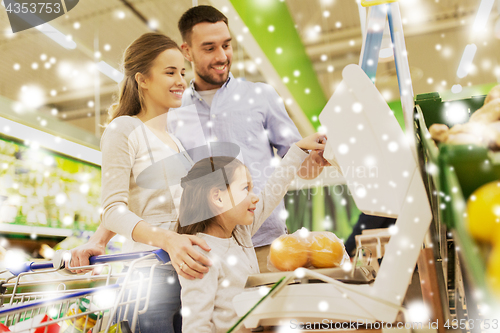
(64, 302)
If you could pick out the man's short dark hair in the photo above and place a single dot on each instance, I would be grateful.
(195, 15)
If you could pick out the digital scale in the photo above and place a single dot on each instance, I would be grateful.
(363, 135)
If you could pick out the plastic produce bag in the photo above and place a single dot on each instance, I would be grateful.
(317, 249)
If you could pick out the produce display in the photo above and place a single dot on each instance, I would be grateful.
(44, 189)
(483, 224)
(475, 169)
(483, 127)
(313, 249)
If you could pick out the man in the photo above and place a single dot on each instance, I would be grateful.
(248, 114)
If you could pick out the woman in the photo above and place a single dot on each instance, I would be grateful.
(134, 140)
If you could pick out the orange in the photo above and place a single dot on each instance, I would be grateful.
(289, 253)
(493, 270)
(326, 251)
(483, 210)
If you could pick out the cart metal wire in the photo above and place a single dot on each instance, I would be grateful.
(47, 298)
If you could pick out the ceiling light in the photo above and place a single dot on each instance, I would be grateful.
(110, 72)
(250, 66)
(153, 24)
(482, 15)
(64, 69)
(456, 88)
(312, 33)
(17, 67)
(107, 47)
(57, 36)
(43, 57)
(32, 96)
(486, 64)
(8, 33)
(466, 61)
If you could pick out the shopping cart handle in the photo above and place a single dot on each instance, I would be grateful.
(30, 266)
(160, 254)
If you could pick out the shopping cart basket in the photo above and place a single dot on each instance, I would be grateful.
(77, 303)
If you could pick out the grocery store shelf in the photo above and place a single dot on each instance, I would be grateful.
(28, 230)
(37, 138)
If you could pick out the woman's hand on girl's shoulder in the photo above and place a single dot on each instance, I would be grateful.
(186, 260)
(314, 141)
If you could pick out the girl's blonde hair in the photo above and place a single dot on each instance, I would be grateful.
(196, 213)
(138, 58)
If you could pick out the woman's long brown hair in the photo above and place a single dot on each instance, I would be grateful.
(138, 58)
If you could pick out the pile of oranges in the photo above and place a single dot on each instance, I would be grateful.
(318, 249)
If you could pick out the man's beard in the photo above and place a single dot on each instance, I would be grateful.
(208, 78)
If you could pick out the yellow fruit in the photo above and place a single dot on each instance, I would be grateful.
(289, 253)
(326, 251)
(483, 210)
(493, 270)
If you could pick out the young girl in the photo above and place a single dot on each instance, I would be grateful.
(218, 205)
